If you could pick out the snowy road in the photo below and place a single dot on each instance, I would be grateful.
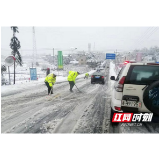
(29, 111)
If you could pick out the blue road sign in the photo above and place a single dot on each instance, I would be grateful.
(33, 73)
(110, 56)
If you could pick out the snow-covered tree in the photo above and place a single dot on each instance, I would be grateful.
(15, 45)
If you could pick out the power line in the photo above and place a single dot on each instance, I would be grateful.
(152, 32)
(144, 35)
(149, 35)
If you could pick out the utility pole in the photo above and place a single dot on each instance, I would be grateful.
(34, 55)
(53, 56)
(116, 56)
(116, 59)
(9, 76)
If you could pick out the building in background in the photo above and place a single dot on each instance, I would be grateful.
(82, 59)
(139, 57)
(89, 48)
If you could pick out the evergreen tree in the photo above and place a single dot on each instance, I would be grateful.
(15, 45)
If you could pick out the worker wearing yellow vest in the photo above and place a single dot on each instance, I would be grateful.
(86, 75)
(49, 81)
(71, 79)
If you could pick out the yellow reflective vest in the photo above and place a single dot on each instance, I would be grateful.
(72, 76)
(50, 79)
(86, 74)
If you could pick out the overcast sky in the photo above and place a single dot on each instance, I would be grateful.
(101, 38)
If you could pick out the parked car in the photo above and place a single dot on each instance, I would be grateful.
(136, 89)
(98, 77)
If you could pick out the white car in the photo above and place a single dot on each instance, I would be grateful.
(136, 89)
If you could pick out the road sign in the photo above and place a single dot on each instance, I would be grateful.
(60, 60)
(9, 60)
(110, 56)
(33, 73)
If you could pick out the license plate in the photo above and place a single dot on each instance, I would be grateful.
(131, 103)
(97, 76)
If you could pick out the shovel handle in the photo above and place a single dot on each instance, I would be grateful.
(77, 88)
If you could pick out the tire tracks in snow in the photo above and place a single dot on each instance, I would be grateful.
(25, 110)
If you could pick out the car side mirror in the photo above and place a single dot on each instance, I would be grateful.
(112, 78)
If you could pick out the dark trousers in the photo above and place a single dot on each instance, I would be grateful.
(71, 85)
(49, 88)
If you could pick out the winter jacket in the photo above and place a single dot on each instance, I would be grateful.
(72, 76)
(86, 74)
(50, 79)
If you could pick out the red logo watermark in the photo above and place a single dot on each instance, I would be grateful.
(122, 117)
(130, 117)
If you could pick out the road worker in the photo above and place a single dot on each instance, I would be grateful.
(86, 75)
(71, 78)
(50, 81)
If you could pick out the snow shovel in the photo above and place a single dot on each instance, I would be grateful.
(78, 89)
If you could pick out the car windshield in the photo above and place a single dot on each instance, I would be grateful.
(143, 75)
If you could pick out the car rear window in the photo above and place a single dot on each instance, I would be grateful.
(98, 73)
(142, 75)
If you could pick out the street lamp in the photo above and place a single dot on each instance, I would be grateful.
(72, 49)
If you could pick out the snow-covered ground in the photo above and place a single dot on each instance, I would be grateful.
(65, 112)
(23, 73)
(26, 107)
(112, 72)
(25, 85)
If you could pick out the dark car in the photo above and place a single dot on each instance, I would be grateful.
(98, 77)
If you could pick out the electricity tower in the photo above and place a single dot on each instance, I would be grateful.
(34, 55)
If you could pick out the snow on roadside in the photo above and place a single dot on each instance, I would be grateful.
(29, 84)
(111, 73)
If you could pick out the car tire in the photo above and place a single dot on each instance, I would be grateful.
(111, 116)
(151, 97)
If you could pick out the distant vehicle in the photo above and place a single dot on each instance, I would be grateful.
(136, 89)
(129, 61)
(100, 69)
(98, 77)
(74, 62)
